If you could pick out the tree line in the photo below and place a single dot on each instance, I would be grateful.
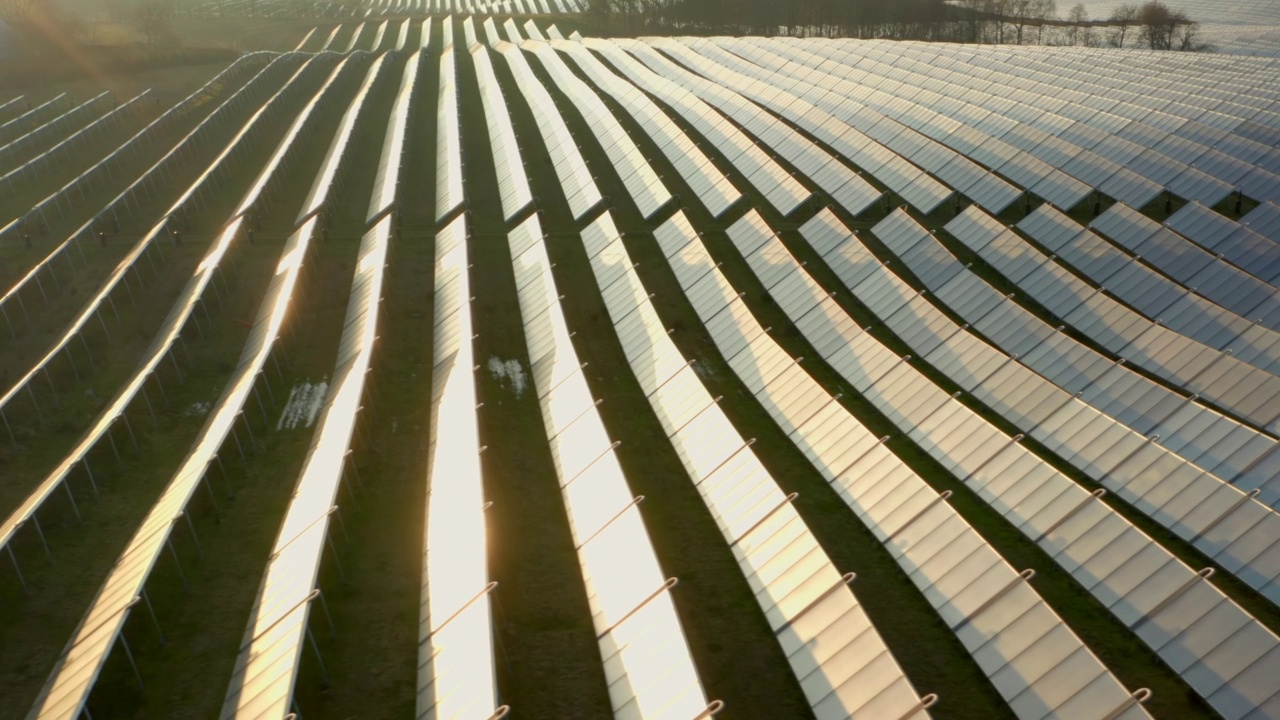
(1019, 22)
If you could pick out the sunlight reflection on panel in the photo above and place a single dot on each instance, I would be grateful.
(513, 184)
(782, 191)
(1048, 507)
(455, 642)
(575, 179)
(267, 665)
(844, 669)
(647, 660)
(712, 187)
(897, 505)
(68, 687)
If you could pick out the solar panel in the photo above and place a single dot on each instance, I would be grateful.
(267, 663)
(1264, 220)
(456, 674)
(73, 677)
(781, 190)
(1123, 332)
(804, 598)
(843, 184)
(646, 657)
(33, 118)
(1152, 294)
(20, 149)
(513, 184)
(1045, 505)
(55, 479)
(449, 190)
(638, 177)
(385, 187)
(575, 179)
(48, 161)
(918, 525)
(713, 189)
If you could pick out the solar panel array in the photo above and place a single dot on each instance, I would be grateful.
(384, 8)
(455, 645)
(78, 458)
(648, 665)
(1050, 273)
(67, 689)
(834, 651)
(269, 656)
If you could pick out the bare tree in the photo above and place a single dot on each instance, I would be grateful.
(1160, 25)
(1122, 18)
(153, 19)
(1187, 38)
(1043, 11)
(1019, 13)
(1077, 16)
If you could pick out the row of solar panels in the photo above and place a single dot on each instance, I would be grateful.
(966, 581)
(473, 7)
(24, 148)
(127, 200)
(1231, 692)
(828, 609)
(371, 36)
(830, 695)
(1059, 157)
(268, 658)
(33, 118)
(571, 171)
(251, 92)
(1218, 91)
(456, 669)
(64, 152)
(72, 679)
(1034, 660)
(384, 8)
(646, 658)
